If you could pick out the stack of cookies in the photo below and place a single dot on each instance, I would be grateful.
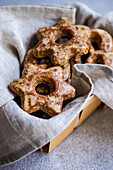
(46, 77)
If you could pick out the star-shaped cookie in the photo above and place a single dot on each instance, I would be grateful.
(51, 103)
(29, 58)
(59, 54)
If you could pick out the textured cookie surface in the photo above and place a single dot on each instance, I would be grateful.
(61, 53)
(32, 101)
(30, 59)
(101, 48)
(45, 63)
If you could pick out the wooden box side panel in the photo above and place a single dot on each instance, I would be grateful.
(58, 139)
(92, 104)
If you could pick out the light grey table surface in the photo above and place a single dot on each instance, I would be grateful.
(90, 147)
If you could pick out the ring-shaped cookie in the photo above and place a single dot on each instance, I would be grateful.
(101, 58)
(101, 48)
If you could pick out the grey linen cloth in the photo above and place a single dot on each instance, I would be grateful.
(20, 132)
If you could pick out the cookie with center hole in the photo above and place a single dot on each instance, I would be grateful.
(100, 49)
(45, 63)
(60, 54)
(32, 101)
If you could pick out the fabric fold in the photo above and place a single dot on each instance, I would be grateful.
(85, 15)
(102, 78)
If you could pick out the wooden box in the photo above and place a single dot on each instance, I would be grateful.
(92, 104)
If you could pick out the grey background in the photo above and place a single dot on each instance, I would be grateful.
(101, 6)
(90, 146)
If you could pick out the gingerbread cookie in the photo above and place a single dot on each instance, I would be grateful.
(45, 63)
(60, 54)
(100, 48)
(29, 58)
(101, 58)
(32, 101)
